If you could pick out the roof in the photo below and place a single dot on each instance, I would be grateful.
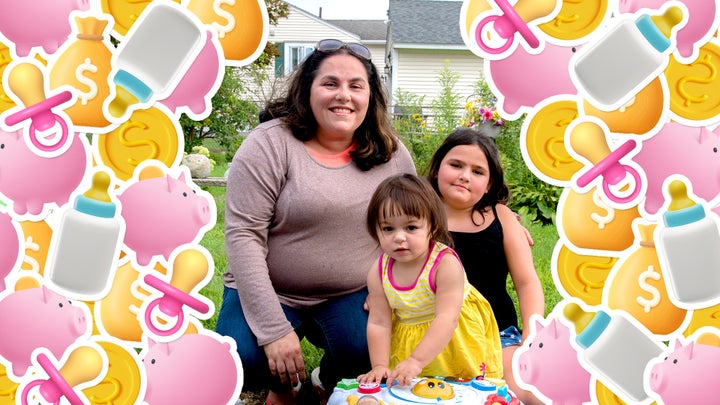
(426, 22)
(368, 30)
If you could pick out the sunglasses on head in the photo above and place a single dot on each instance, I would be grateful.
(329, 45)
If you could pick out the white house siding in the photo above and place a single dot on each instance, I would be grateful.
(417, 70)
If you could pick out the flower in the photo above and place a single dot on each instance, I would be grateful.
(478, 112)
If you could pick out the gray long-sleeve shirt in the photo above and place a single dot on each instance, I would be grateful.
(294, 228)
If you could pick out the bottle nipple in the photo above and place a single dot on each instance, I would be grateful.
(667, 20)
(122, 101)
(99, 188)
(679, 196)
(580, 318)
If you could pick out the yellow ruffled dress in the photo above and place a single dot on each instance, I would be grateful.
(476, 339)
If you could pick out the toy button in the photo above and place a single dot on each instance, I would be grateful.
(368, 388)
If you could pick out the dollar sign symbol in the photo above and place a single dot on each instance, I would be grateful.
(597, 218)
(648, 304)
(30, 261)
(550, 146)
(86, 66)
(689, 98)
(222, 13)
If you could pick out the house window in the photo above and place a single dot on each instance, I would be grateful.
(292, 56)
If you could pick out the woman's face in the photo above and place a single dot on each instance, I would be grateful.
(339, 96)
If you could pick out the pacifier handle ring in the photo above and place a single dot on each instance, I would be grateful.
(622, 200)
(517, 21)
(478, 37)
(149, 320)
(26, 390)
(175, 293)
(32, 133)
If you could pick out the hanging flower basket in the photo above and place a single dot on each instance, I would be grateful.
(482, 114)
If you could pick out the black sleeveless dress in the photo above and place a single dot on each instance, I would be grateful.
(483, 256)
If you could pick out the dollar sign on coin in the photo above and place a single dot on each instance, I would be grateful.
(242, 26)
(576, 19)
(542, 141)
(123, 382)
(637, 287)
(147, 134)
(694, 86)
(589, 223)
(37, 236)
(85, 66)
(581, 276)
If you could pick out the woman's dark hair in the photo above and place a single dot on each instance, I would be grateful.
(498, 193)
(411, 195)
(375, 139)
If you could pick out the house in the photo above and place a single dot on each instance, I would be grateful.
(409, 48)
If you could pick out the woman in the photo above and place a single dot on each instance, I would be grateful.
(297, 249)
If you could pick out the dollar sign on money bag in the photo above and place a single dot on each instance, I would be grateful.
(589, 223)
(637, 287)
(85, 66)
(242, 26)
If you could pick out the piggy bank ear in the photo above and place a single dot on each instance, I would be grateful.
(181, 177)
(538, 326)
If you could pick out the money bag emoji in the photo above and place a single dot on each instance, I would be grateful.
(637, 287)
(85, 65)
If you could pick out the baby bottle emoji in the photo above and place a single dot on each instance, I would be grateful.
(616, 350)
(628, 57)
(87, 245)
(689, 246)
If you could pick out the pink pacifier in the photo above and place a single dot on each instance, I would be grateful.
(83, 364)
(511, 21)
(588, 140)
(26, 82)
(189, 268)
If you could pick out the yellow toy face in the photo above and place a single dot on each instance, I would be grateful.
(433, 388)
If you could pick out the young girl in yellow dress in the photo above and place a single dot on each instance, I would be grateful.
(425, 318)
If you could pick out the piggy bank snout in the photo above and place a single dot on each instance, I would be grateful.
(525, 368)
(657, 382)
(203, 213)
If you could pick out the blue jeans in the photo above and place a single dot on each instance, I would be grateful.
(338, 326)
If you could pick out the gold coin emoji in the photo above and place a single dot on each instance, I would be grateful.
(709, 316)
(147, 134)
(589, 223)
(125, 12)
(638, 287)
(581, 276)
(8, 388)
(576, 19)
(6, 102)
(694, 86)
(123, 382)
(605, 396)
(640, 116)
(542, 140)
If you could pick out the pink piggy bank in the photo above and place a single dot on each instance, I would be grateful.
(9, 247)
(689, 375)
(698, 29)
(162, 212)
(551, 365)
(30, 23)
(194, 369)
(37, 317)
(519, 89)
(31, 181)
(680, 149)
(200, 82)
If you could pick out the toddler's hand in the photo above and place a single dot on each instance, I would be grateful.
(404, 372)
(375, 375)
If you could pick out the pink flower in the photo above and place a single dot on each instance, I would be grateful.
(495, 399)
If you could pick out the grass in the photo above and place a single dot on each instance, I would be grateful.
(545, 238)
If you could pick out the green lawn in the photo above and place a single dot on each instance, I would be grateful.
(545, 238)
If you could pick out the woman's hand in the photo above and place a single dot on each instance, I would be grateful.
(285, 359)
(375, 375)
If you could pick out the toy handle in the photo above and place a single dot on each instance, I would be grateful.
(622, 200)
(480, 41)
(32, 132)
(151, 325)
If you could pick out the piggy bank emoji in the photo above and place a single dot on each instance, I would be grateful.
(162, 212)
(548, 356)
(33, 316)
(193, 369)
